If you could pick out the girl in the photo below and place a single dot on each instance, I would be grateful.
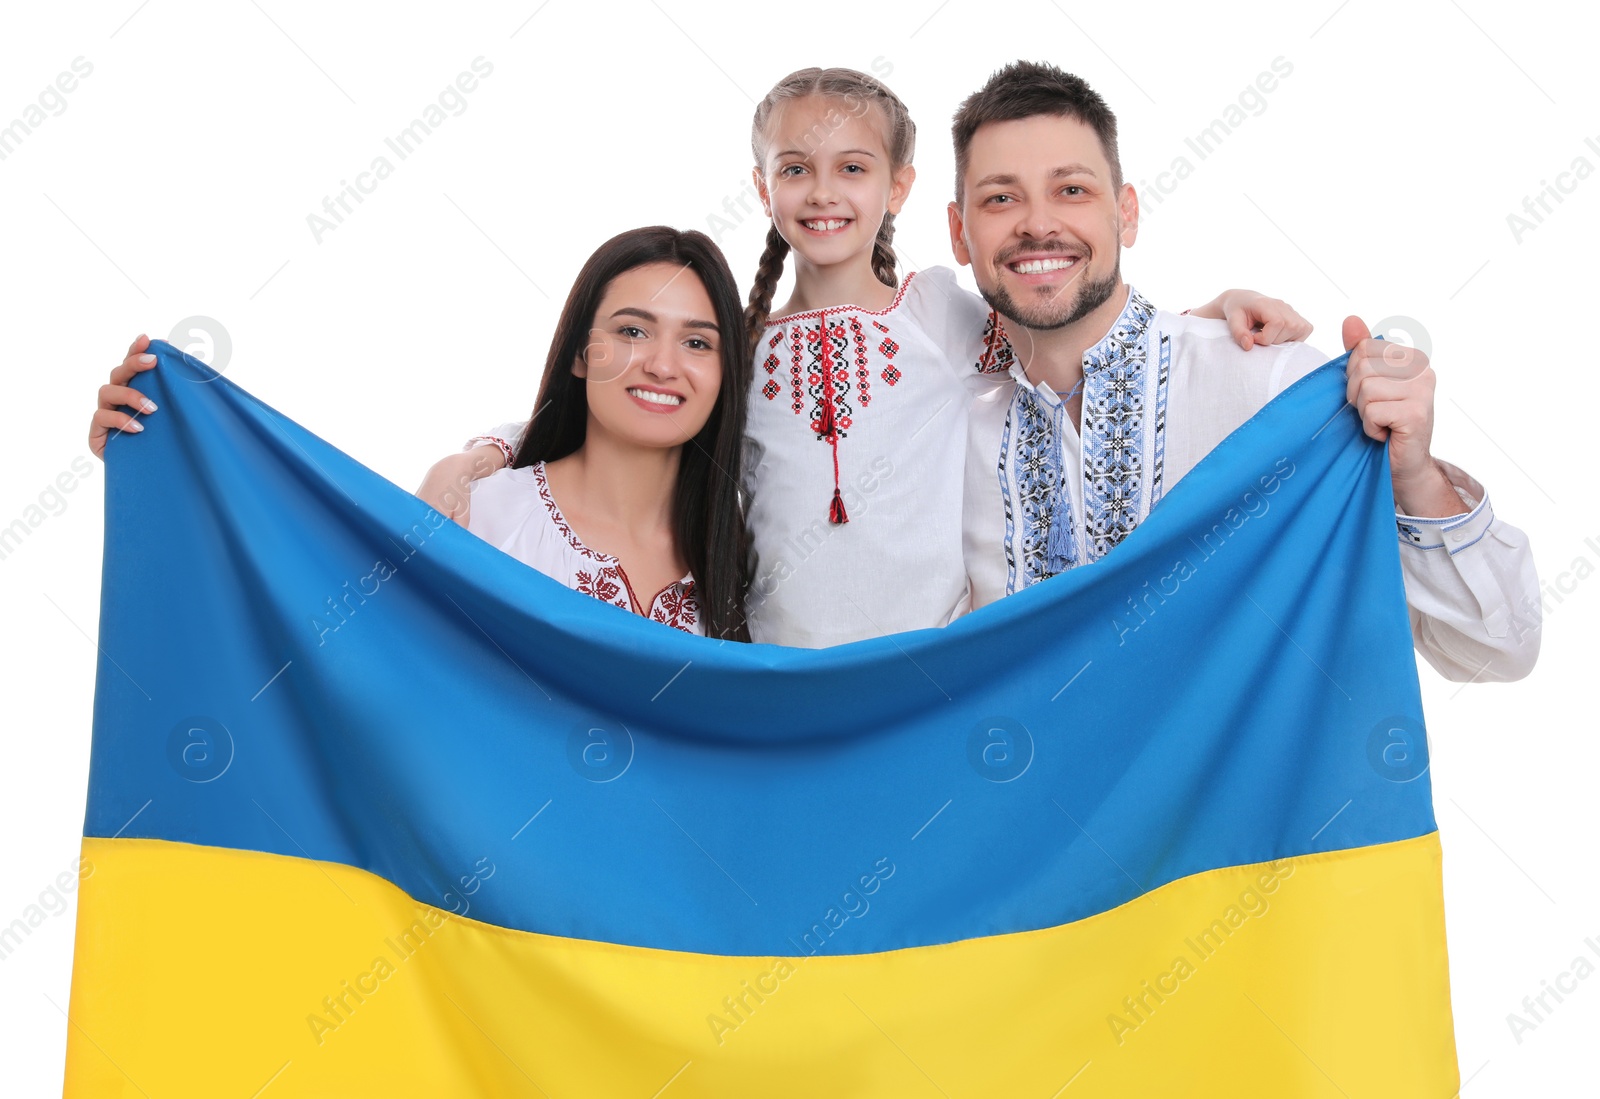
(636, 432)
(858, 407)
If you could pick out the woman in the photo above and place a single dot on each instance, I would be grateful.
(636, 432)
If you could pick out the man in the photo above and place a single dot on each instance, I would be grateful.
(1109, 401)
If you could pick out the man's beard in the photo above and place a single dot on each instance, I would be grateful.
(1060, 310)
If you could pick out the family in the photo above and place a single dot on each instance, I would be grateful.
(880, 453)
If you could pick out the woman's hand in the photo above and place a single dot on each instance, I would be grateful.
(447, 487)
(1254, 318)
(117, 395)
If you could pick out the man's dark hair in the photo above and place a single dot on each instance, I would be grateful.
(1024, 89)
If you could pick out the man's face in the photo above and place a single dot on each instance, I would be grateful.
(1041, 223)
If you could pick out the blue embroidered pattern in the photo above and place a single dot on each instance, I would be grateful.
(1158, 464)
(1005, 497)
(1036, 477)
(1113, 428)
(1117, 490)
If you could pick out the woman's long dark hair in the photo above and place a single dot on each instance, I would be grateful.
(707, 521)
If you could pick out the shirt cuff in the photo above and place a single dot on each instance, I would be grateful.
(1453, 533)
(492, 440)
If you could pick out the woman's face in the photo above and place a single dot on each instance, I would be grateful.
(653, 365)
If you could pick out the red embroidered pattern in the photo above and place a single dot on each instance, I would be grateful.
(789, 318)
(505, 447)
(805, 353)
(830, 370)
(794, 369)
(889, 347)
(605, 584)
(863, 375)
(674, 605)
(557, 518)
(997, 356)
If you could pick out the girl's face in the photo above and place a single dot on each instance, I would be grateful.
(653, 365)
(827, 182)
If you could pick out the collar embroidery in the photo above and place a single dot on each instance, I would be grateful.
(1124, 405)
(674, 605)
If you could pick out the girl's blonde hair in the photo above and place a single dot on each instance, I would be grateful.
(858, 91)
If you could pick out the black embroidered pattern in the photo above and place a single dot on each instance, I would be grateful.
(837, 379)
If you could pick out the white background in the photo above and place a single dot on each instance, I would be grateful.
(1376, 180)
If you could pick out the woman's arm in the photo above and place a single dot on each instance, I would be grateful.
(447, 486)
(117, 395)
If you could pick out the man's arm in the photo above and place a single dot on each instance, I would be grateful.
(1471, 584)
(1471, 588)
(448, 483)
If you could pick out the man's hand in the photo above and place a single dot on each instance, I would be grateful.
(1391, 387)
(1255, 318)
(447, 486)
(116, 395)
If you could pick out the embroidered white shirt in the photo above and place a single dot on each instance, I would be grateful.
(1160, 391)
(514, 510)
(899, 407)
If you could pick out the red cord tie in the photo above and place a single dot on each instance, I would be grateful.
(828, 429)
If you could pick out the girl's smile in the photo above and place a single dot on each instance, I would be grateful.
(825, 226)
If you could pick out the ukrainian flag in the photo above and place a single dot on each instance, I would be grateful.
(374, 810)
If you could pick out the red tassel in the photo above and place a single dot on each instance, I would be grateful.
(825, 425)
(836, 512)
